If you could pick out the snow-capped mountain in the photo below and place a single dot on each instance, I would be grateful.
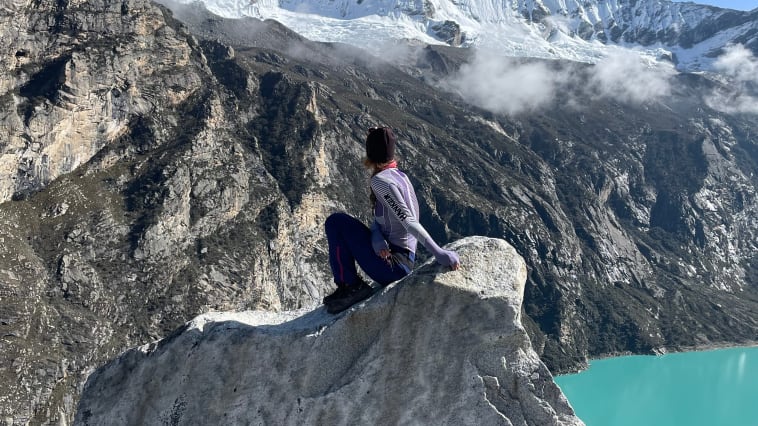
(582, 30)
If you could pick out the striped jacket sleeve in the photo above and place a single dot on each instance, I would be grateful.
(391, 198)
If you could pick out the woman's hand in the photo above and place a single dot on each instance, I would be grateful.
(384, 254)
(448, 258)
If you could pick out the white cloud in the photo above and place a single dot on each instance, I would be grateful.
(732, 102)
(740, 67)
(626, 77)
(739, 63)
(504, 85)
(397, 52)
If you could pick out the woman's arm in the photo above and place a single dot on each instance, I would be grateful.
(392, 200)
(379, 244)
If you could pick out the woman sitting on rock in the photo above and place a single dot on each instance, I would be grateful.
(386, 251)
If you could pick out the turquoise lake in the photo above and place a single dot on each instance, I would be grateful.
(708, 388)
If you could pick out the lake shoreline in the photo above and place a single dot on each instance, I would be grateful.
(708, 347)
(666, 350)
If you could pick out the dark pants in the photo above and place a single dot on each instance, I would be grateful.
(350, 242)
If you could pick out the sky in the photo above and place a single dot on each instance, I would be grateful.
(730, 4)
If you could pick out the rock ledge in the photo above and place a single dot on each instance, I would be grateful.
(438, 347)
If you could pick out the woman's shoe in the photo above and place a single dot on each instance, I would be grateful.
(340, 292)
(352, 295)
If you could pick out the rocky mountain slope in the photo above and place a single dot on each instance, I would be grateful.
(153, 170)
(436, 348)
(691, 35)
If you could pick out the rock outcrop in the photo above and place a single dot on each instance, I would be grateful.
(435, 348)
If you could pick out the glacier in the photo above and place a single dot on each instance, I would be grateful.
(577, 30)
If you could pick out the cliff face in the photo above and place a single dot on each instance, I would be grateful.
(120, 163)
(75, 74)
(233, 140)
(435, 348)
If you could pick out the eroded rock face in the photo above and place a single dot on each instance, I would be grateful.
(99, 88)
(435, 348)
(77, 73)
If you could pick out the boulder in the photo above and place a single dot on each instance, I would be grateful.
(438, 347)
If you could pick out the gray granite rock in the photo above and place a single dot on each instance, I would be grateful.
(439, 347)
